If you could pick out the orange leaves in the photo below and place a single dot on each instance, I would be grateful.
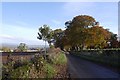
(85, 31)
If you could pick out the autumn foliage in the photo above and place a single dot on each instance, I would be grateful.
(83, 32)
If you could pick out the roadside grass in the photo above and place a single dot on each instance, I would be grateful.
(100, 57)
(59, 59)
(49, 70)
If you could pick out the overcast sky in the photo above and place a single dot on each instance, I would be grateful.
(21, 20)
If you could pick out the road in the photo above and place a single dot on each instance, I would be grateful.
(79, 68)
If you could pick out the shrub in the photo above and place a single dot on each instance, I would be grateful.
(20, 72)
(37, 67)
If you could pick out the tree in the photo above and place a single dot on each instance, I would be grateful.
(22, 47)
(50, 37)
(67, 24)
(84, 21)
(76, 31)
(98, 37)
(58, 35)
(84, 32)
(46, 34)
(113, 41)
(43, 33)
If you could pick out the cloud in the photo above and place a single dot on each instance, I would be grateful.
(90, 8)
(16, 40)
(9, 37)
(21, 23)
(101, 11)
(18, 31)
(56, 22)
(6, 36)
(76, 8)
(17, 34)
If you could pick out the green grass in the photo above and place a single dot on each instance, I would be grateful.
(100, 59)
(59, 59)
(49, 70)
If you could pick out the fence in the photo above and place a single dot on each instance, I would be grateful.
(17, 55)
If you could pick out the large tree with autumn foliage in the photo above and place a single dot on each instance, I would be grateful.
(77, 29)
(98, 37)
(84, 32)
(81, 32)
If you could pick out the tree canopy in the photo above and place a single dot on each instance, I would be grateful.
(22, 47)
(83, 31)
(45, 33)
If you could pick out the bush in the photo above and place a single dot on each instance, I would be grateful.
(37, 67)
(20, 72)
(39, 62)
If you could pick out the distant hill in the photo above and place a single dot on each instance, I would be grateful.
(36, 46)
(13, 46)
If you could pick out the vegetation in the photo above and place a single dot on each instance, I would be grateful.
(83, 36)
(83, 32)
(59, 59)
(22, 47)
(5, 49)
(37, 67)
(49, 70)
(104, 56)
(45, 33)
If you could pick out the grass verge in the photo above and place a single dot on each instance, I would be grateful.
(108, 60)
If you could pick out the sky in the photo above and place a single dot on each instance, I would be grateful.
(21, 20)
